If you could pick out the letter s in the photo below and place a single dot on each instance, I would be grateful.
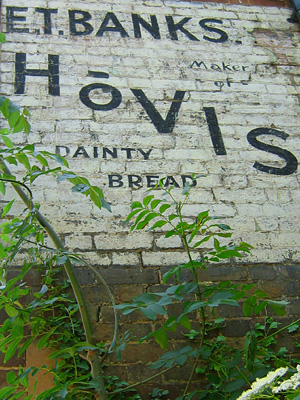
(223, 35)
(291, 160)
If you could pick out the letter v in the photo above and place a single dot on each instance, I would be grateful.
(162, 125)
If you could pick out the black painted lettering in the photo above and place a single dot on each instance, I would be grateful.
(81, 152)
(222, 35)
(95, 152)
(145, 154)
(47, 18)
(112, 152)
(215, 67)
(116, 28)
(152, 28)
(291, 160)
(170, 181)
(115, 181)
(52, 73)
(128, 152)
(199, 64)
(152, 180)
(186, 179)
(226, 67)
(66, 150)
(236, 68)
(11, 18)
(115, 101)
(174, 27)
(162, 125)
(77, 17)
(134, 181)
(214, 130)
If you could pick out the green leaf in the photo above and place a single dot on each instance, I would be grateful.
(192, 306)
(13, 118)
(163, 208)
(146, 221)
(2, 188)
(59, 159)
(2, 38)
(7, 142)
(136, 204)
(161, 338)
(293, 328)
(234, 385)
(133, 213)
(278, 306)
(228, 254)
(249, 305)
(19, 125)
(23, 159)
(10, 310)
(7, 208)
(158, 224)
(10, 377)
(147, 200)
(81, 188)
(44, 340)
(155, 203)
(184, 321)
(139, 217)
(11, 349)
(6, 392)
(250, 350)
(260, 307)
(25, 345)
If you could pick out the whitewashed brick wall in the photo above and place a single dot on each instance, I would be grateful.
(244, 69)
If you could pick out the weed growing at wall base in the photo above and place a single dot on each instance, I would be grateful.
(217, 370)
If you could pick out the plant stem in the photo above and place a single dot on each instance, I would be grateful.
(144, 381)
(202, 311)
(93, 358)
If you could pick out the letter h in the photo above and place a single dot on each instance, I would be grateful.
(52, 72)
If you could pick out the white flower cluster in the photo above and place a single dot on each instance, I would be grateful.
(289, 384)
(259, 385)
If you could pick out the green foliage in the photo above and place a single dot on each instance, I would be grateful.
(223, 370)
(36, 163)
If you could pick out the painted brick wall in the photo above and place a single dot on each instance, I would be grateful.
(135, 91)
